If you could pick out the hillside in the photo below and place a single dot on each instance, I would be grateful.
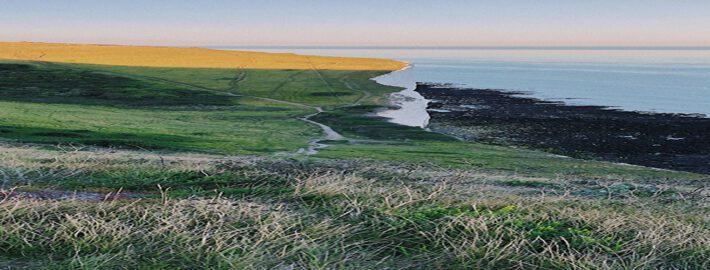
(121, 157)
(145, 56)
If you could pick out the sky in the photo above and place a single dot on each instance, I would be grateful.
(359, 22)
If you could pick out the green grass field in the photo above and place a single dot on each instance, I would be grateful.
(208, 165)
(195, 110)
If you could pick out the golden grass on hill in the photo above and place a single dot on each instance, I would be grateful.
(145, 56)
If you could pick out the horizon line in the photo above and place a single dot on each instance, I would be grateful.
(463, 47)
(395, 47)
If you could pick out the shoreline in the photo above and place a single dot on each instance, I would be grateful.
(406, 107)
(657, 140)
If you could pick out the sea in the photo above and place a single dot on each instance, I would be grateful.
(646, 79)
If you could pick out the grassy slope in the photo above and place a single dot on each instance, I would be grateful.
(54, 104)
(317, 88)
(500, 207)
(190, 109)
(147, 56)
(337, 215)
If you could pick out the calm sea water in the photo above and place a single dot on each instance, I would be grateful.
(659, 80)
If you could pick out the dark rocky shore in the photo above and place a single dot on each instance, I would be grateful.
(668, 141)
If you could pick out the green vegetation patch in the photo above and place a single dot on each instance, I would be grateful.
(52, 83)
(104, 139)
(128, 108)
(358, 122)
(240, 129)
(530, 184)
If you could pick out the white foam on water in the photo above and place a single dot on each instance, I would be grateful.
(410, 106)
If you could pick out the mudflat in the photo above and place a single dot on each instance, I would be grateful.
(661, 140)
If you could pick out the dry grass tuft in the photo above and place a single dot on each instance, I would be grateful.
(342, 215)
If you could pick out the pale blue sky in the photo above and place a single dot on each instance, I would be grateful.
(361, 22)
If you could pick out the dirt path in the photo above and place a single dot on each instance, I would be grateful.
(313, 145)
